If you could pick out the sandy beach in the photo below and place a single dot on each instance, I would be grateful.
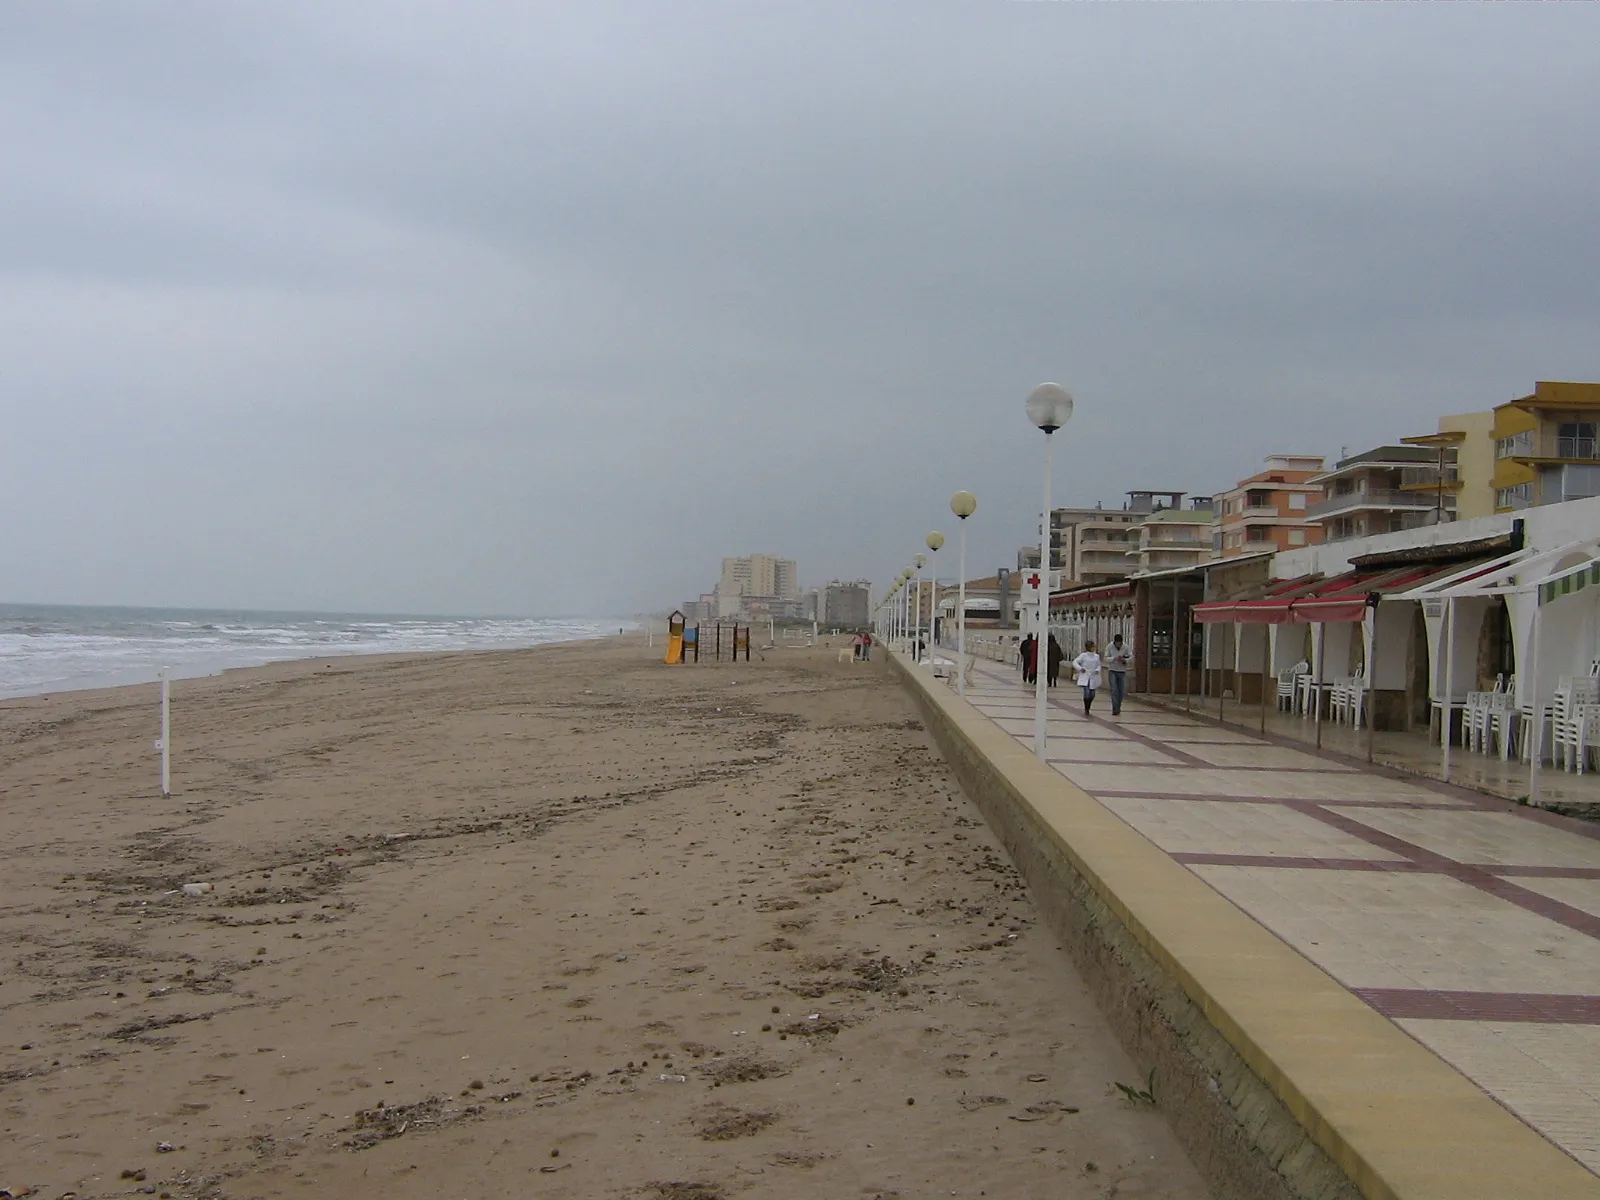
(561, 922)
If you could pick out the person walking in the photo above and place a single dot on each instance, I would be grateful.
(1119, 657)
(1028, 644)
(1053, 656)
(857, 645)
(1086, 673)
(866, 647)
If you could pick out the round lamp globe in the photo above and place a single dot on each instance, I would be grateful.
(1049, 406)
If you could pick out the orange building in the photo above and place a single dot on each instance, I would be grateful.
(1268, 510)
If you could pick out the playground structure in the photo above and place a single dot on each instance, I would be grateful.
(684, 641)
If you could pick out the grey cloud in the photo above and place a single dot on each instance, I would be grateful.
(516, 308)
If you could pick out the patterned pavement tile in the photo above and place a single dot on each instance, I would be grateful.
(1177, 826)
(1435, 930)
(1545, 1074)
(1486, 837)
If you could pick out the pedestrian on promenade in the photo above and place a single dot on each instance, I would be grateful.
(1119, 657)
(1053, 656)
(1086, 673)
(1028, 644)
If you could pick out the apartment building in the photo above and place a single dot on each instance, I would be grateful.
(1099, 544)
(1175, 537)
(1546, 446)
(1383, 490)
(843, 604)
(1271, 509)
(1087, 544)
(759, 575)
(1464, 466)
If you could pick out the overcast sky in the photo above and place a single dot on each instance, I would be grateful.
(543, 308)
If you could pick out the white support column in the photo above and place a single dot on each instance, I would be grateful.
(1447, 700)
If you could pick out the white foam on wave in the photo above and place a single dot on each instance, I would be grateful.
(51, 649)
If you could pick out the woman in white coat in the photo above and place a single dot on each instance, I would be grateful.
(1086, 674)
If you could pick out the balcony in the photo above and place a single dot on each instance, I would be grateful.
(1429, 478)
(1376, 499)
(1586, 448)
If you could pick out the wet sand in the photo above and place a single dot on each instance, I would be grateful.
(561, 923)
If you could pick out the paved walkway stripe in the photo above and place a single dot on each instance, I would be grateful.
(1421, 1005)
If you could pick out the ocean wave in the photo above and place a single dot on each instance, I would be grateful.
(46, 649)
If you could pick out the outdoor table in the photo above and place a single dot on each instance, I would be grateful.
(1447, 723)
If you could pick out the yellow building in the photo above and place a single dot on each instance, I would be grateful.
(1465, 469)
(1546, 446)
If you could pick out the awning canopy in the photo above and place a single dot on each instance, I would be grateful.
(1092, 594)
(1549, 574)
(1343, 599)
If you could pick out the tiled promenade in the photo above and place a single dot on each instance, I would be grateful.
(1472, 924)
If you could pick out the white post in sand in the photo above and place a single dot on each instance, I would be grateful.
(166, 734)
(1049, 407)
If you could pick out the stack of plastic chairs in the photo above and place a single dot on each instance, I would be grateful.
(1573, 721)
(1347, 698)
(1288, 686)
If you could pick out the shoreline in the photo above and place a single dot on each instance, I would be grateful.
(181, 674)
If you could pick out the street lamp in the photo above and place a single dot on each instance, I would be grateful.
(905, 605)
(916, 619)
(1049, 407)
(934, 540)
(963, 504)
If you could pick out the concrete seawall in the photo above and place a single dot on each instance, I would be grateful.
(1280, 1082)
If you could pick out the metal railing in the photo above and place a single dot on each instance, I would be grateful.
(1421, 477)
(1577, 447)
(1377, 498)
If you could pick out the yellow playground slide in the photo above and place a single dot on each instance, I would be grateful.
(675, 648)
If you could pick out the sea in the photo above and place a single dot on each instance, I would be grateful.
(47, 648)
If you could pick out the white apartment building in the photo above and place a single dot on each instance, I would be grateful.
(759, 575)
(1174, 537)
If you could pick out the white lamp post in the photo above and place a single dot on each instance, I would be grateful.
(935, 541)
(963, 504)
(1049, 407)
(905, 606)
(916, 610)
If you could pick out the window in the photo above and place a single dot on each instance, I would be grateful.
(1514, 497)
(1576, 439)
(1259, 534)
(1578, 483)
(1297, 501)
(1517, 444)
(1258, 499)
(1297, 537)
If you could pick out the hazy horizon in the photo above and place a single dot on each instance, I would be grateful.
(524, 308)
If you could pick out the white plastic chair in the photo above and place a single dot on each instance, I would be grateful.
(1570, 711)
(1586, 734)
(1288, 689)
